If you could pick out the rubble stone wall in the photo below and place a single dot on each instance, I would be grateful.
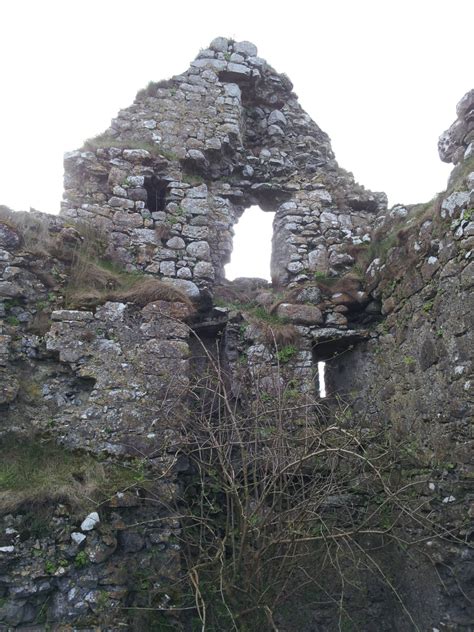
(412, 380)
(175, 171)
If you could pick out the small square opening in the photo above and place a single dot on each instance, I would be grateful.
(156, 193)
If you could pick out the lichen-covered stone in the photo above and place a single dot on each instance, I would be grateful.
(453, 142)
(305, 314)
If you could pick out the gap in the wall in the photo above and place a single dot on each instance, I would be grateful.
(156, 193)
(322, 379)
(252, 245)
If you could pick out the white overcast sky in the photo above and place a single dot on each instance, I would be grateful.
(381, 77)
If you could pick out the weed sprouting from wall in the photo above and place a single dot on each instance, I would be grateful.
(95, 278)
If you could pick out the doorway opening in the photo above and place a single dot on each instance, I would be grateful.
(252, 245)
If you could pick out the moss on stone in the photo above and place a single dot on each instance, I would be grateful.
(36, 470)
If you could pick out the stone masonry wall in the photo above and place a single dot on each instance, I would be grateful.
(164, 187)
(175, 171)
(107, 383)
(413, 381)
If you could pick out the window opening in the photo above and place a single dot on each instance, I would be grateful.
(329, 356)
(252, 245)
(322, 379)
(156, 194)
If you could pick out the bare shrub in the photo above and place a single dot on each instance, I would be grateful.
(279, 489)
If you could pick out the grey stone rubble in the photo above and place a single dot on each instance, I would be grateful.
(90, 522)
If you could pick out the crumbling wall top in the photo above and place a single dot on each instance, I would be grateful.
(174, 172)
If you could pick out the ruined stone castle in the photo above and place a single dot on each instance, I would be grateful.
(94, 368)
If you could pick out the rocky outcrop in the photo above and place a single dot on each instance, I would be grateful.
(114, 311)
(456, 143)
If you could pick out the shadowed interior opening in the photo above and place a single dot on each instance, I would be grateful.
(156, 193)
(332, 354)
